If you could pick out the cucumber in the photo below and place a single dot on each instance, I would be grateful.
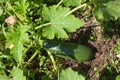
(67, 50)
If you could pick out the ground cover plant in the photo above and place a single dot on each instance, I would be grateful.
(59, 40)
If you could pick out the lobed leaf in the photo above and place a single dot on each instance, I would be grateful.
(69, 74)
(3, 76)
(60, 24)
(17, 74)
(17, 38)
(107, 9)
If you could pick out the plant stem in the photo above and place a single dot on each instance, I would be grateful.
(28, 48)
(33, 56)
(3, 30)
(58, 75)
(52, 59)
(73, 10)
(46, 24)
(6, 10)
(59, 3)
(19, 17)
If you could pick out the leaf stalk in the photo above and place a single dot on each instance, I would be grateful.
(46, 24)
(59, 3)
(52, 59)
(33, 56)
(76, 8)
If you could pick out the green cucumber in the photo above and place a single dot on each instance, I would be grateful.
(67, 50)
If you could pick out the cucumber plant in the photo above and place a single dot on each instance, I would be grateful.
(34, 24)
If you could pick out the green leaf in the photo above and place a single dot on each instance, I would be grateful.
(72, 2)
(20, 9)
(17, 38)
(117, 77)
(17, 74)
(107, 9)
(60, 24)
(69, 74)
(1, 1)
(3, 75)
(21, 6)
(1, 11)
(113, 8)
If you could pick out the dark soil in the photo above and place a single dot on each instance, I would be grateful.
(103, 49)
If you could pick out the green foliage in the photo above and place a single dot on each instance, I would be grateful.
(72, 2)
(69, 74)
(59, 22)
(20, 9)
(1, 11)
(23, 53)
(17, 74)
(117, 77)
(3, 76)
(107, 9)
(17, 38)
(1, 1)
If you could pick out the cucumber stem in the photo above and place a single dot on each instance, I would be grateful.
(76, 8)
(46, 24)
(59, 3)
(52, 59)
(25, 51)
(33, 56)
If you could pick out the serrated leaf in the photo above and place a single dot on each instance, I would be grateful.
(69, 74)
(72, 2)
(21, 6)
(17, 74)
(17, 38)
(3, 76)
(107, 9)
(60, 24)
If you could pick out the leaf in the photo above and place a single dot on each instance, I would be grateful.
(21, 9)
(3, 76)
(60, 24)
(17, 74)
(107, 9)
(113, 8)
(21, 6)
(72, 2)
(17, 38)
(117, 77)
(1, 1)
(1, 11)
(69, 74)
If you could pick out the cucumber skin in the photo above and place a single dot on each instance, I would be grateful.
(67, 50)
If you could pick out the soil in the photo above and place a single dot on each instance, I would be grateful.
(103, 49)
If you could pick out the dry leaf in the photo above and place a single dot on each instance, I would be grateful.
(11, 20)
